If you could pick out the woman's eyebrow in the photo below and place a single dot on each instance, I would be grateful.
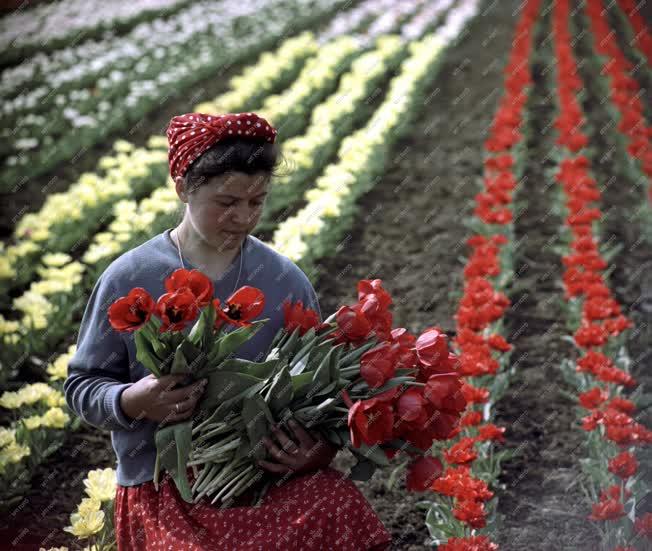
(236, 197)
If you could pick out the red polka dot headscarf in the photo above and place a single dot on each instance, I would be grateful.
(191, 134)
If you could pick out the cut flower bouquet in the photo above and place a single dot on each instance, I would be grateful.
(362, 384)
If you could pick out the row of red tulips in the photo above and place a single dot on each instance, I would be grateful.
(612, 431)
(642, 36)
(624, 92)
(483, 353)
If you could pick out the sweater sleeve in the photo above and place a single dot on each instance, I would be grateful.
(98, 372)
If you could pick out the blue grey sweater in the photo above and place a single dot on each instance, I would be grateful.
(105, 364)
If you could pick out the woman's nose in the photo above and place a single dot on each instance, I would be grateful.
(241, 214)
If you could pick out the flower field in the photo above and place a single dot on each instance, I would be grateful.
(489, 162)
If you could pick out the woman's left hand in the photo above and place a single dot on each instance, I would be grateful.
(311, 453)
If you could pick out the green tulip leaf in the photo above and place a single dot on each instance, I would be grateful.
(322, 373)
(281, 392)
(228, 343)
(197, 335)
(224, 385)
(173, 444)
(222, 412)
(301, 383)
(257, 417)
(288, 347)
(333, 367)
(255, 369)
(145, 354)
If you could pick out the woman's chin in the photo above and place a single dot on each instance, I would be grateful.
(232, 239)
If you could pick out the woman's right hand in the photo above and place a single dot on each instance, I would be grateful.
(154, 399)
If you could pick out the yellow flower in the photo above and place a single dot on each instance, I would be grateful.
(34, 392)
(28, 394)
(8, 326)
(56, 259)
(88, 505)
(58, 369)
(7, 436)
(84, 526)
(101, 484)
(33, 422)
(10, 400)
(13, 453)
(123, 146)
(56, 399)
(55, 418)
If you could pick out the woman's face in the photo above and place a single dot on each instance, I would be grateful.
(227, 207)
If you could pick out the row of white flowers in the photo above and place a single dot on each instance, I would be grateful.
(82, 64)
(51, 78)
(49, 26)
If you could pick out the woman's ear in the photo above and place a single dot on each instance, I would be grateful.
(179, 185)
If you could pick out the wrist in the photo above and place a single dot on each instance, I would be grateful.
(125, 403)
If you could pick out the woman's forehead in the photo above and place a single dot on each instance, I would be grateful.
(237, 184)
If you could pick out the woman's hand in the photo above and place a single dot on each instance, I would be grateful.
(311, 453)
(154, 399)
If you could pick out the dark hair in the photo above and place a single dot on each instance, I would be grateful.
(233, 155)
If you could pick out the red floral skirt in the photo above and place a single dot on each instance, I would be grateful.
(318, 510)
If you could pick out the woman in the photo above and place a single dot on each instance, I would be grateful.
(221, 166)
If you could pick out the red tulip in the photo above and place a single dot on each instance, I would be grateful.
(371, 421)
(412, 406)
(374, 287)
(372, 306)
(592, 399)
(444, 391)
(432, 347)
(378, 365)
(623, 465)
(607, 510)
(489, 431)
(461, 452)
(422, 472)
(419, 422)
(197, 282)
(403, 343)
(470, 543)
(177, 309)
(352, 325)
(241, 307)
(613, 492)
(131, 312)
(471, 512)
(295, 315)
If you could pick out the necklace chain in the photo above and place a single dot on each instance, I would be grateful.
(241, 259)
